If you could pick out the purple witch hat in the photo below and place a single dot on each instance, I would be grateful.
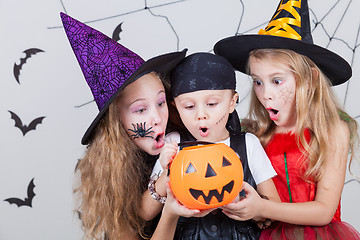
(108, 66)
(289, 28)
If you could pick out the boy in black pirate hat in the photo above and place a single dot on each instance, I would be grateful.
(203, 87)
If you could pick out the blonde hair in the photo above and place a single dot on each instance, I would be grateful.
(316, 109)
(113, 175)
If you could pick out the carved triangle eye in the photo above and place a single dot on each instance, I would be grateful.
(210, 171)
(226, 162)
(190, 169)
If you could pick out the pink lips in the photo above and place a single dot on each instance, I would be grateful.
(204, 132)
(273, 114)
(159, 140)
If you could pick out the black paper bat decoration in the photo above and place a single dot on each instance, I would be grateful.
(116, 33)
(28, 53)
(23, 127)
(28, 200)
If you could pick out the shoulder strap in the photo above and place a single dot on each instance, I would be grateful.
(185, 136)
(238, 144)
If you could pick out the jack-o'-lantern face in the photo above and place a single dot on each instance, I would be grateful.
(206, 176)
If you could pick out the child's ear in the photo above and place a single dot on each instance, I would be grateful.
(234, 101)
(315, 73)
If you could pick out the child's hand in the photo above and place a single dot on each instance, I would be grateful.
(247, 208)
(238, 198)
(167, 154)
(174, 207)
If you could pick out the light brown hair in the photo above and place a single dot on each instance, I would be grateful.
(112, 176)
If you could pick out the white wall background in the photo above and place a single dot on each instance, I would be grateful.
(52, 85)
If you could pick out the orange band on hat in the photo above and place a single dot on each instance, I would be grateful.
(282, 27)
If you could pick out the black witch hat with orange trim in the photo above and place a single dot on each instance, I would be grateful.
(289, 28)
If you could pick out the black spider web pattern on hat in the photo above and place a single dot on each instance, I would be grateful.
(106, 64)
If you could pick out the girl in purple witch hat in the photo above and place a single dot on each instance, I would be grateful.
(126, 136)
(305, 132)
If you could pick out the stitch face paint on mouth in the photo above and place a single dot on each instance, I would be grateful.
(140, 131)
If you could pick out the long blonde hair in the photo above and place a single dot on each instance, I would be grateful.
(316, 109)
(112, 177)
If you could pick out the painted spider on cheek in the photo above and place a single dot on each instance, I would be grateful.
(140, 131)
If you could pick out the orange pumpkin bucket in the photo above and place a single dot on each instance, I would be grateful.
(206, 176)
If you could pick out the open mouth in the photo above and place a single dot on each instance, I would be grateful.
(204, 131)
(212, 193)
(273, 113)
(159, 140)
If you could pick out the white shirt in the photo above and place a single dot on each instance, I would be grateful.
(259, 163)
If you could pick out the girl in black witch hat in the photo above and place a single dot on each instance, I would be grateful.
(305, 132)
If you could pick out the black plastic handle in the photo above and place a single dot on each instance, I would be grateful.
(193, 143)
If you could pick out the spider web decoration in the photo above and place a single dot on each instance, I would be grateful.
(338, 37)
(53, 84)
(145, 8)
(341, 37)
(335, 25)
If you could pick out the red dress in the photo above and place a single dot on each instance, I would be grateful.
(288, 162)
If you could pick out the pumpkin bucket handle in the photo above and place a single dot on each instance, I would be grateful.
(192, 143)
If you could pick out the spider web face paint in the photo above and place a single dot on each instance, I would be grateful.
(140, 131)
